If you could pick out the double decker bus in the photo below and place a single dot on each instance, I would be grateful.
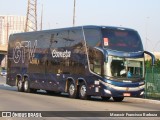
(82, 61)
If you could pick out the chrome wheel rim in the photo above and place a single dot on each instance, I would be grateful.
(25, 85)
(71, 89)
(83, 90)
(20, 84)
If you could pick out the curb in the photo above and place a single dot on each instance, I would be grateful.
(142, 100)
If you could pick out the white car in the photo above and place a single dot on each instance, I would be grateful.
(3, 72)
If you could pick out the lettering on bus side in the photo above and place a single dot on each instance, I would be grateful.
(20, 50)
(58, 54)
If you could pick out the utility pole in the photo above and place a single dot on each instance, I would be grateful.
(74, 12)
(1, 23)
(31, 18)
(41, 26)
(7, 30)
(147, 18)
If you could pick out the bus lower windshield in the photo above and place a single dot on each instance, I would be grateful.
(124, 67)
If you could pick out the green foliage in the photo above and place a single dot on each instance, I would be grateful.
(158, 63)
(149, 62)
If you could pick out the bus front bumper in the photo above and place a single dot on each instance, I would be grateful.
(117, 91)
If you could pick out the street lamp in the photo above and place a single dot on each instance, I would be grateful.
(74, 12)
(147, 18)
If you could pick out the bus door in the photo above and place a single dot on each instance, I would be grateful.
(61, 75)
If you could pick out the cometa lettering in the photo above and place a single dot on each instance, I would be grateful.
(65, 54)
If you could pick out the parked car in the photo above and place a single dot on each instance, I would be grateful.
(3, 72)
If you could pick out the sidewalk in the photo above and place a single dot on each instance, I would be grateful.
(132, 99)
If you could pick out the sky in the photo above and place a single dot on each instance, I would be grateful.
(141, 15)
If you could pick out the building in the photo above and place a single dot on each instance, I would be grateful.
(156, 54)
(10, 24)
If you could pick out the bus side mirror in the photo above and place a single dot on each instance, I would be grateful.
(152, 56)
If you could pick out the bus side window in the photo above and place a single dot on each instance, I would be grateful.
(93, 37)
(96, 61)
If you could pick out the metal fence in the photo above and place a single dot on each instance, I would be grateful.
(152, 87)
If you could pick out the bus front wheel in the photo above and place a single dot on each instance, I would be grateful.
(83, 92)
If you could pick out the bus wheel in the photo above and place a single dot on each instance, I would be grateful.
(20, 86)
(83, 92)
(27, 87)
(72, 90)
(118, 99)
(105, 98)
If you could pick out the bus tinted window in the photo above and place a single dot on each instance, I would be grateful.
(92, 37)
(121, 40)
(71, 41)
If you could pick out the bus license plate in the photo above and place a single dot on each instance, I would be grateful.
(126, 94)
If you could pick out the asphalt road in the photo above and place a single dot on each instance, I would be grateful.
(12, 100)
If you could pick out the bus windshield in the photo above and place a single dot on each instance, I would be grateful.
(124, 67)
(121, 40)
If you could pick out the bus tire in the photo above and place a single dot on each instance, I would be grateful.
(118, 99)
(105, 98)
(83, 92)
(72, 90)
(27, 86)
(20, 86)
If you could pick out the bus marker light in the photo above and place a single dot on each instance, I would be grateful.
(96, 82)
(97, 89)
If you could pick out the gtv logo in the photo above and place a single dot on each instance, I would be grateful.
(22, 49)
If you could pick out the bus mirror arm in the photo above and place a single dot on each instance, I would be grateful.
(152, 56)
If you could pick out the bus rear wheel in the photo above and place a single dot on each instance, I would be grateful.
(118, 99)
(20, 86)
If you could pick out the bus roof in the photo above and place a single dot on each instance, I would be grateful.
(78, 27)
